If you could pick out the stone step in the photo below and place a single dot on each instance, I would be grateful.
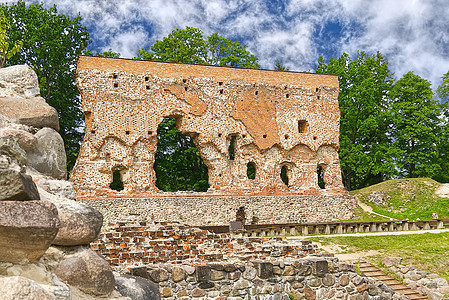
(368, 269)
(374, 273)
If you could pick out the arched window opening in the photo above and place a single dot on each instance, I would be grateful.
(251, 170)
(231, 148)
(284, 175)
(178, 164)
(117, 183)
(320, 173)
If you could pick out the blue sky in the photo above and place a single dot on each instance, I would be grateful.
(412, 34)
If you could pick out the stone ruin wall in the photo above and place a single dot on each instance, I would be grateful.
(276, 118)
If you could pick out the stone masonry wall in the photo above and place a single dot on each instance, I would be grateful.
(200, 211)
(311, 278)
(278, 119)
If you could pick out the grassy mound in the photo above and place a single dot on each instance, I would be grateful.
(409, 198)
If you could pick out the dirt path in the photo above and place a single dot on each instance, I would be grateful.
(369, 209)
(443, 190)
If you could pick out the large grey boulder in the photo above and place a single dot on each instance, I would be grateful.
(48, 157)
(137, 288)
(87, 271)
(20, 80)
(25, 139)
(14, 183)
(80, 224)
(17, 287)
(27, 229)
(29, 111)
(19, 99)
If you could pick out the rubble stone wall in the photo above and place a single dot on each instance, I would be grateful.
(201, 211)
(278, 119)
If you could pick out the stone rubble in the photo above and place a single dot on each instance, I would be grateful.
(427, 284)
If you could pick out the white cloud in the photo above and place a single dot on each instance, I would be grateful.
(413, 35)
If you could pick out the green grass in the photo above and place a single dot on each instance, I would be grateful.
(428, 251)
(411, 198)
(361, 215)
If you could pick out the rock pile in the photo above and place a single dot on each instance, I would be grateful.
(44, 233)
(427, 284)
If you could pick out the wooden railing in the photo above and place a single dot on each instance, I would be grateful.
(261, 230)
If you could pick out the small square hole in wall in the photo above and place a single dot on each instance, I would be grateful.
(243, 135)
(147, 87)
(92, 131)
(219, 135)
(220, 83)
(317, 90)
(185, 89)
(147, 78)
(285, 87)
(286, 136)
(114, 76)
(302, 126)
(184, 80)
(314, 138)
(221, 92)
(127, 132)
(287, 95)
(257, 92)
(116, 85)
(150, 132)
(264, 136)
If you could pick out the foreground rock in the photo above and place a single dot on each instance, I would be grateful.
(48, 157)
(16, 287)
(14, 183)
(87, 271)
(137, 288)
(80, 224)
(27, 229)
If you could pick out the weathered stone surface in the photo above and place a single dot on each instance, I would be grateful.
(87, 271)
(264, 269)
(166, 292)
(15, 185)
(178, 274)
(158, 275)
(319, 266)
(241, 284)
(26, 229)
(48, 157)
(10, 148)
(391, 261)
(329, 279)
(217, 275)
(26, 140)
(16, 287)
(197, 292)
(61, 187)
(344, 280)
(203, 273)
(250, 273)
(80, 224)
(137, 288)
(288, 271)
(33, 112)
(19, 79)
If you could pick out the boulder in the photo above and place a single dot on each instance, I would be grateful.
(27, 229)
(10, 148)
(80, 224)
(61, 187)
(48, 157)
(17, 186)
(137, 288)
(20, 80)
(16, 287)
(26, 140)
(33, 112)
(87, 271)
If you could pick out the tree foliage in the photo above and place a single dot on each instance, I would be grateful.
(51, 43)
(443, 89)
(7, 49)
(367, 152)
(107, 53)
(415, 126)
(178, 165)
(189, 46)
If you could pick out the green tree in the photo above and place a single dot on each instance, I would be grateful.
(189, 46)
(443, 89)
(416, 126)
(7, 50)
(107, 53)
(367, 153)
(178, 164)
(280, 66)
(51, 43)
